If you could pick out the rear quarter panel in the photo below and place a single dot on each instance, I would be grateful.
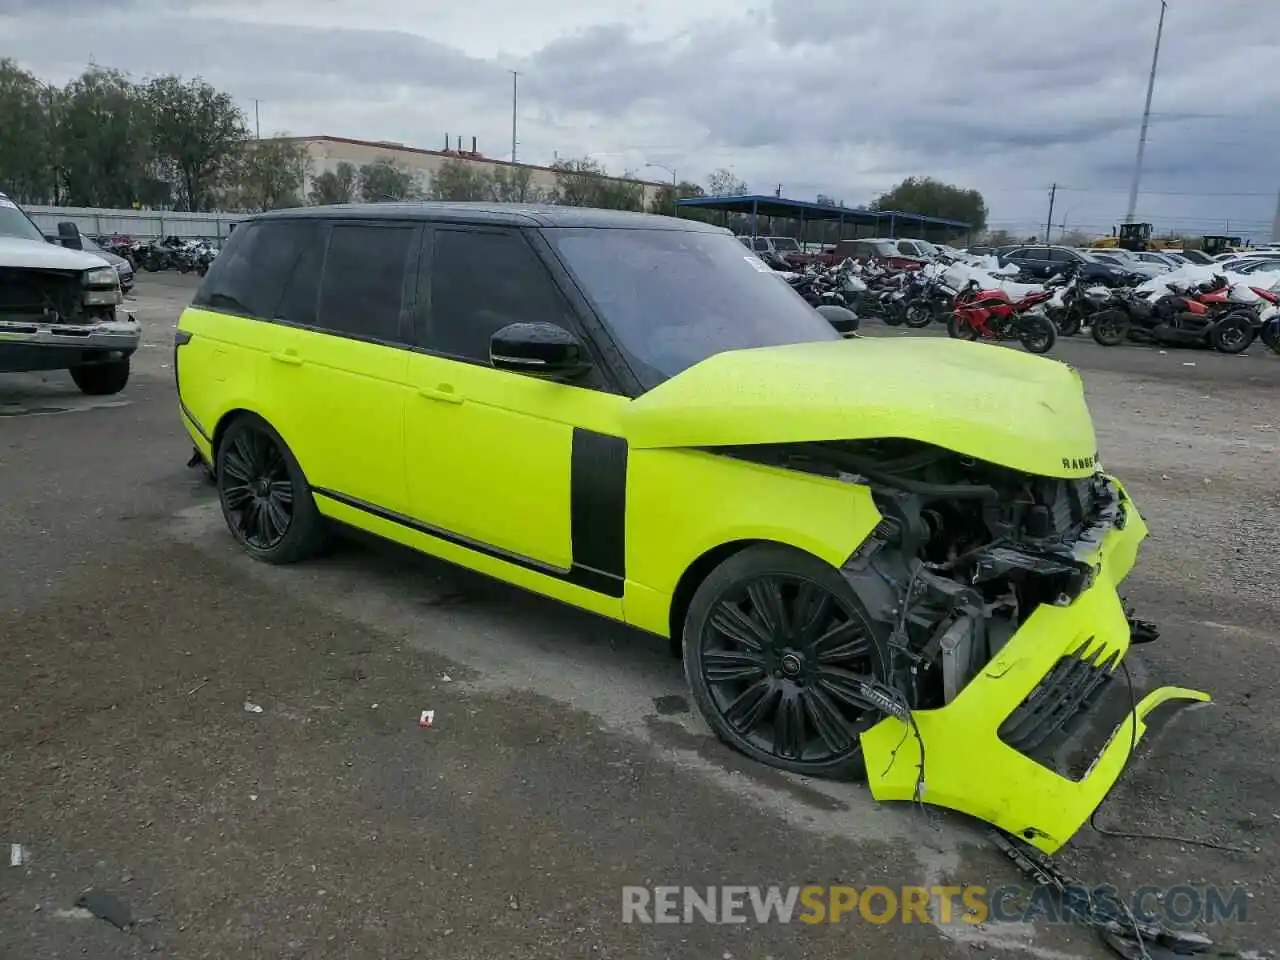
(683, 503)
(219, 368)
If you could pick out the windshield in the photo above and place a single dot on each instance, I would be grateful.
(785, 245)
(672, 298)
(14, 223)
(928, 247)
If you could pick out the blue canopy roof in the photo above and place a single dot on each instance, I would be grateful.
(770, 206)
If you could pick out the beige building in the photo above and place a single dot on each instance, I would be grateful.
(327, 152)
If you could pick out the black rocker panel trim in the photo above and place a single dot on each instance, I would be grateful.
(597, 511)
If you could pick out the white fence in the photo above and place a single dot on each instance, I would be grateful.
(140, 224)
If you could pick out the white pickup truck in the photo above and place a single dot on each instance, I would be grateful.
(61, 307)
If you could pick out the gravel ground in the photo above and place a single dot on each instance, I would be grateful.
(563, 762)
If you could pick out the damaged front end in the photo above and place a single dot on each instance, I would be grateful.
(1006, 693)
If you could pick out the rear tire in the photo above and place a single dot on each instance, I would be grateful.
(266, 501)
(1271, 334)
(1233, 333)
(1038, 334)
(1110, 328)
(101, 379)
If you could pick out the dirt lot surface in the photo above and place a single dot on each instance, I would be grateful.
(563, 763)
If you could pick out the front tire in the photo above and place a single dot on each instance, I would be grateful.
(1110, 328)
(774, 643)
(918, 316)
(101, 379)
(265, 498)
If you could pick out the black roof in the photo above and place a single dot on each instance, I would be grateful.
(509, 214)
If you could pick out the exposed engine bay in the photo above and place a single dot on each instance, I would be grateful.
(44, 296)
(964, 553)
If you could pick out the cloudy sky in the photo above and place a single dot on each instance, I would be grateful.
(822, 96)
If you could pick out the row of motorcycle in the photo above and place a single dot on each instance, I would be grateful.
(1212, 314)
(167, 253)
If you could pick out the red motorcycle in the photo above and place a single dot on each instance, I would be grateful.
(994, 315)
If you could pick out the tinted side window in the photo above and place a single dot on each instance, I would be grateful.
(302, 289)
(249, 274)
(761, 244)
(482, 280)
(362, 291)
(1062, 256)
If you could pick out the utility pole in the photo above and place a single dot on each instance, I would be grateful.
(257, 123)
(1048, 227)
(778, 192)
(515, 80)
(1146, 119)
(1275, 224)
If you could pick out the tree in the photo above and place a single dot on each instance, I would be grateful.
(515, 185)
(103, 140)
(196, 132)
(384, 179)
(933, 198)
(1000, 238)
(665, 197)
(460, 180)
(725, 183)
(28, 172)
(339, 185)
(586, 183)
(269, 174)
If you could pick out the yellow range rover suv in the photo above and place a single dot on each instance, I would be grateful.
(878, 556)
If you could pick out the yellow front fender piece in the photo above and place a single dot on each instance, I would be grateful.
(969, 768)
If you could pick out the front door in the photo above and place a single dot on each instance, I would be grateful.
(520, 468)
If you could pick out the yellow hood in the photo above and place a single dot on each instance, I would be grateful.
(1003, 406)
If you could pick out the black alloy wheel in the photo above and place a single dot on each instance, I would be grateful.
(265, 499)
(776, 645)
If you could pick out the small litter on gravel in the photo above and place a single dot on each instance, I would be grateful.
(427, 719)
(108, 907)
(251, 707)
(17, 855)
(445, 678)
(1188, 364)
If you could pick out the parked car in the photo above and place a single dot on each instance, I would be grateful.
(622, 412)
(60, 307)
(917, 249)
(1198, 257)
(785, 249)
(1043, 262)
(1126, 261)
(123, 268)
(882, 251)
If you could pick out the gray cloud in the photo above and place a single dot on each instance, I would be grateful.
(820, 95)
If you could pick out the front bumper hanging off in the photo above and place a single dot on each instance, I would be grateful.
(984, 753)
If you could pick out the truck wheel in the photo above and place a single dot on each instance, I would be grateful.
(101, 379)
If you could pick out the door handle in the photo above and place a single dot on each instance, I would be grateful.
(287, 356)
(444, 393)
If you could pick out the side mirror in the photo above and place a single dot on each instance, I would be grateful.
(69, 236)
(539, 349)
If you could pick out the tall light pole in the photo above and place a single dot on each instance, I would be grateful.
(515, 94)
(1146, 119)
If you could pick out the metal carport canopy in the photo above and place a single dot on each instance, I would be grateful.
(757, 205)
